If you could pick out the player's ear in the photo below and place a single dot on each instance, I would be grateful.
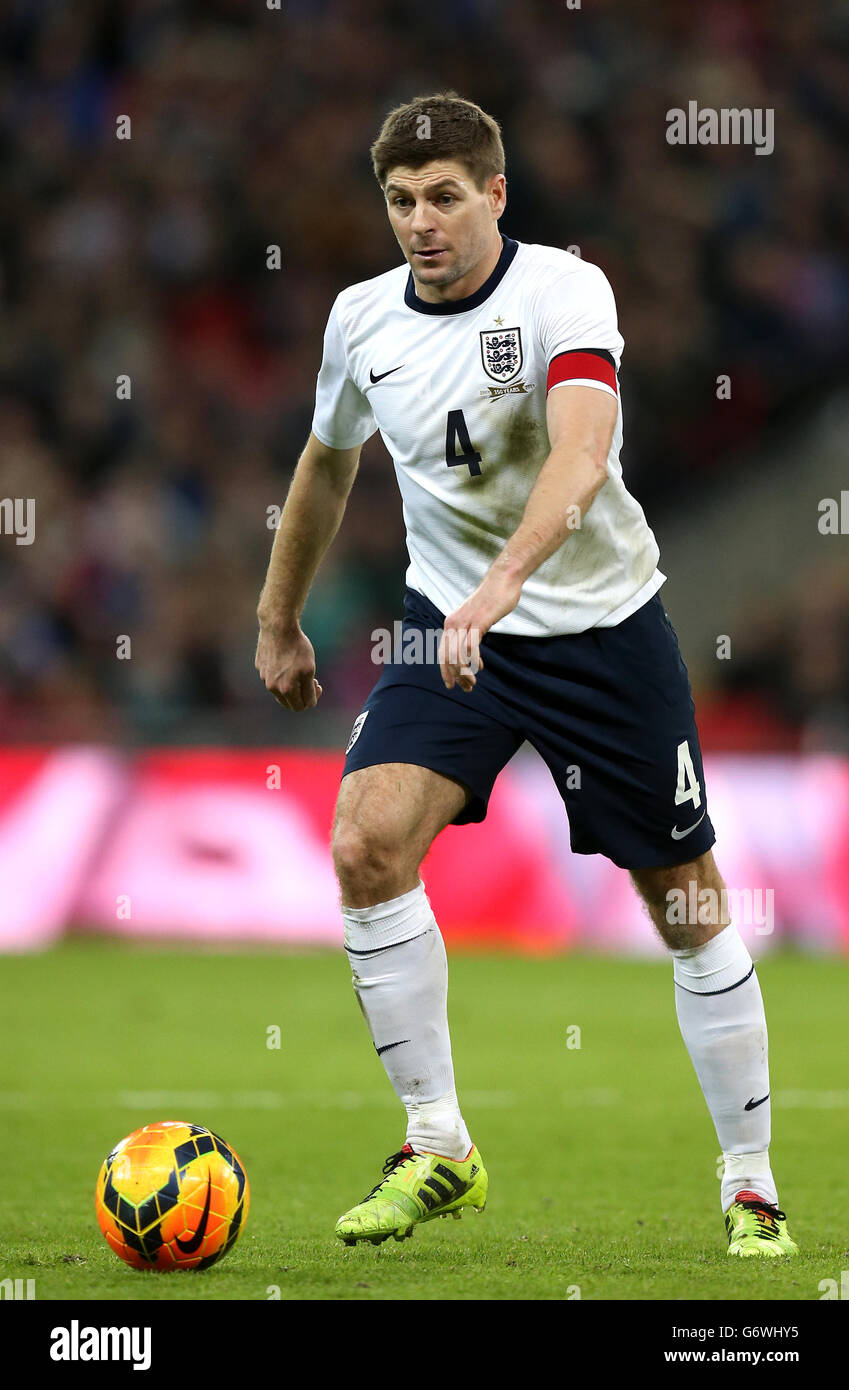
(498, 193)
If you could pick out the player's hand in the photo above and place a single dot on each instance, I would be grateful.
(286, 663)
(459, 648)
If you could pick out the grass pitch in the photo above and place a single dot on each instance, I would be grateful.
(601, 1156)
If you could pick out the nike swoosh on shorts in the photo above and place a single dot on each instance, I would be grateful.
(679, 834)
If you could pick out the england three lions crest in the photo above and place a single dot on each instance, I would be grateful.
(501, 350)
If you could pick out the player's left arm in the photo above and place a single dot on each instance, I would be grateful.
(581, 421)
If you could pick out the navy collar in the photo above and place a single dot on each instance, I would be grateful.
(461, 306)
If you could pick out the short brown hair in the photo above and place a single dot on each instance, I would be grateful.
(455, 129)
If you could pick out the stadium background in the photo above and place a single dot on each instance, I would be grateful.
(168, 915)
(168, 793)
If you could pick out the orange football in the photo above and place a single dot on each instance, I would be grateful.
(172, 1196)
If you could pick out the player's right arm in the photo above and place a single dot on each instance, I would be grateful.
(314, 508)
(342, 422)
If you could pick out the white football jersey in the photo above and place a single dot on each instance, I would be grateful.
(458, 391)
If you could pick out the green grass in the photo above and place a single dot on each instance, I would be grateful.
(601, 1159)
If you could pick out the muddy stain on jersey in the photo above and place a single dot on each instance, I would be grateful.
(500, 493)
(507, 476)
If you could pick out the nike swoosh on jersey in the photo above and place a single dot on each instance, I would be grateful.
(376, 379)
(679, 834)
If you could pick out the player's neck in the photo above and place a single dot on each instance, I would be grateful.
(468, 283)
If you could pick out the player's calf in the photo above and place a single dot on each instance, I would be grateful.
(721, 1016)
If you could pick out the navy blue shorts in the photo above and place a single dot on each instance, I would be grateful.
(609, 711)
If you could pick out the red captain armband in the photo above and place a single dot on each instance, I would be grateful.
(588, 364)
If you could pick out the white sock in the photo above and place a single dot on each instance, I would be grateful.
(721, 1017)
(400, 976)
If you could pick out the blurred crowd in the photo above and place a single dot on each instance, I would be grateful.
(145, 258)
(785, 686)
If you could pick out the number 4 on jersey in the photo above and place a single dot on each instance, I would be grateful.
(688, 783)
(457, 431)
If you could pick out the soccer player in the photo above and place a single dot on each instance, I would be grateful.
(490, 368)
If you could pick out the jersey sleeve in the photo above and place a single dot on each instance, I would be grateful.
(579, 332)
(342, 418)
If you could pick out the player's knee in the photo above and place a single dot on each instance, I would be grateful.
(686, 901)
(656, 884)
(367, 860)
(653, 885)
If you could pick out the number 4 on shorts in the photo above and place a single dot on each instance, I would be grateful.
(688, 788)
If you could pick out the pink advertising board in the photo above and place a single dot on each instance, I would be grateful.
(232, 846)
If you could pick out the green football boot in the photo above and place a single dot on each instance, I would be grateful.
(756, 1228)
(415, 1188)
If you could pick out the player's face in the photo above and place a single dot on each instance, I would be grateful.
(446, 226)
